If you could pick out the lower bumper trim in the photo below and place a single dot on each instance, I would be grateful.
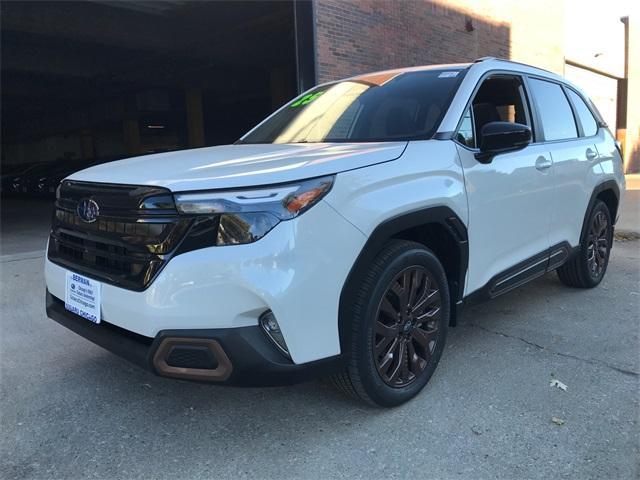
(245, 357)
(162, 363)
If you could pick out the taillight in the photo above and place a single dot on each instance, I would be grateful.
(619, 148)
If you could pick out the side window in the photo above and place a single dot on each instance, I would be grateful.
(589, 124)
(500, 98)
(555, 113)
(465, 132)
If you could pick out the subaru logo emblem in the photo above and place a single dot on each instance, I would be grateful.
(88, 210)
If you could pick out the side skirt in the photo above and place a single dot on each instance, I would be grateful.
(523, 273)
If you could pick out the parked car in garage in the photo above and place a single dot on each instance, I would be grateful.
(22, 182)
(341, 235)
(45, 184)
(42, 179)
(12, 176)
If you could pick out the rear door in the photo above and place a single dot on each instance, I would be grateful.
(574, 153)
(510, 199)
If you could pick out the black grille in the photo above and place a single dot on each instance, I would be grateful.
(136, 232)
(191, 357)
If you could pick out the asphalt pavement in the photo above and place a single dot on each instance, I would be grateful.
(69, 409)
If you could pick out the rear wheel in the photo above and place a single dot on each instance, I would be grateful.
(587, 268)
(399, 326)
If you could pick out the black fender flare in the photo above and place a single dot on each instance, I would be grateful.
(598, 189)
(441, 215)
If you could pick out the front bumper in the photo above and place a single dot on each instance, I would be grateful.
(244, 356)
(295, 271)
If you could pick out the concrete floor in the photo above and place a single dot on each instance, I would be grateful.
(71, 410)
(24, 225)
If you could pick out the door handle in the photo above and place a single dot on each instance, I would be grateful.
(543, 163)
(591, 154)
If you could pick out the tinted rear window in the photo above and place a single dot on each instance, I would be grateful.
(555, 113)
(589, 124)
(368, 109)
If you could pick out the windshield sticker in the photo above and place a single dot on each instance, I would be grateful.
(308, 98)
(448, 74)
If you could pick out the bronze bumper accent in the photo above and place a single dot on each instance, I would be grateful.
(218, 374)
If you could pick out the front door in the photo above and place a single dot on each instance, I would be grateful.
(510, 199)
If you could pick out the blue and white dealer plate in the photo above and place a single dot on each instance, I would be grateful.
(82, 296)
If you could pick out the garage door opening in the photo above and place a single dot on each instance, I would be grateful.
(88, 82)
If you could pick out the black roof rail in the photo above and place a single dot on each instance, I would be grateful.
(482, 59)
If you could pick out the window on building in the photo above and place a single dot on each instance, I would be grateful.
(589, 124)
(555, 113)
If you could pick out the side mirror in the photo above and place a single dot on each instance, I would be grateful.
(502, 137)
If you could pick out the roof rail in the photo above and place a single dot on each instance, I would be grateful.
(482, 59)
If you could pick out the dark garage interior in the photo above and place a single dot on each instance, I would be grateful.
(89, 82)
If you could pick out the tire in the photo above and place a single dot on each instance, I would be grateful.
(588, 266)
(394, 350)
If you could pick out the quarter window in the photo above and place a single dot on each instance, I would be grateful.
(555, 113)
(589, 124)
(465, 132)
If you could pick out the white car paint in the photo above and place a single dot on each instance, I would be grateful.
(230, 166)
(227, 287)
(511, 209)
(510, 205)
(428, 174)
(575, 176)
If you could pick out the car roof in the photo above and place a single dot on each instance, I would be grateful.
(484, 64)
(492, 63)
(398, 71)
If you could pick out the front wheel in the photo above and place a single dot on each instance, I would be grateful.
(587, 268)
(399, 326)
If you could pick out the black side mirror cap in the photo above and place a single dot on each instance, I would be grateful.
(502, 137)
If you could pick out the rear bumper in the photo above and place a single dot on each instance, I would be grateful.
(243, 356)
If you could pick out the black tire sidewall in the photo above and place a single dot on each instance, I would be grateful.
(381, 393)
(599, 206)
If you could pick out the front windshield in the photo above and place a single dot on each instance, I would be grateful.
(382, 107)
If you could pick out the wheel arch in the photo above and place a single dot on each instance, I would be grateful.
(438, 228)
(607, 191)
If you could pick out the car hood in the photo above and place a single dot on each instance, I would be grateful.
(231, 166)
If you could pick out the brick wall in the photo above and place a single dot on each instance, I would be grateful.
(358, 36)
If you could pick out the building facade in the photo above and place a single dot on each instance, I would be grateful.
(583, 41)
(86, 82)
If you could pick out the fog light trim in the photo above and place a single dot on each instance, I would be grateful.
(271, 328)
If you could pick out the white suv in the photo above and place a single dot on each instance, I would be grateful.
(342, 234)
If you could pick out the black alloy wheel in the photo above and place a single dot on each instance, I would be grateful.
(589, 262)
(407, 324)
(598, 244)
(398, 320)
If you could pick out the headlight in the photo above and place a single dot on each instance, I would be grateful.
(246, 215)
(283, 201)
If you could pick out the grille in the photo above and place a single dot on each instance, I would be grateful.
(136, 232)
(191, 357)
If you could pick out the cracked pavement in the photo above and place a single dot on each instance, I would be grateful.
(71, 410)
(588, 360)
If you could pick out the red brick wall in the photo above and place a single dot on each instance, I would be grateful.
(359, 36)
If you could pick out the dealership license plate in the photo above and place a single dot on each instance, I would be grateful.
(82, 296)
